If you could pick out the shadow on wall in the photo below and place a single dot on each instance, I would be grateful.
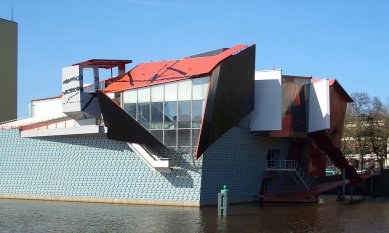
(184, 164)
(92, 141)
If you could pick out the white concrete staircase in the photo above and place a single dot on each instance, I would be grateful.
(154, 161)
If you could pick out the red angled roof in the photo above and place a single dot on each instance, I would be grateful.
(147, 74)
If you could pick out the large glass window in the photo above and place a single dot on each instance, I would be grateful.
(171, 92)
(172, 112)
(130, 109)
(170, 115)
(156, 115)
(184, 114)
(200, 88)
(157, 93)
(144, 114)
(185, 90)
(144, 95)
(197, 112)
(130, 98)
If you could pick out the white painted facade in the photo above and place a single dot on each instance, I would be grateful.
(47, 107)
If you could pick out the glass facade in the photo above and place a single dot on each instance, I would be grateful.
(172, 112)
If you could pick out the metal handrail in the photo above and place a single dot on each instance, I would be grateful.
(290, 164)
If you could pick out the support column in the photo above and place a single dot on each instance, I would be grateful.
(343, 182)
(342, 190)
(121, 69)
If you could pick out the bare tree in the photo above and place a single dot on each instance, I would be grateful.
(357, 112)
(367, 126)
(376, 129)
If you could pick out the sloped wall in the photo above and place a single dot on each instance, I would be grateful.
(91, 168)
(237, 159)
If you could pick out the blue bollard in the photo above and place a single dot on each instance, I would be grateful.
(222, 202)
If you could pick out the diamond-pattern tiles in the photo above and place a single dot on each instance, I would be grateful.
(97, 168)
(237, 160)
(92, 167)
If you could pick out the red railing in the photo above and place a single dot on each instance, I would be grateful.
(2, 127)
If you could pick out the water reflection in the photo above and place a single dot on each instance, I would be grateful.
(362, 215)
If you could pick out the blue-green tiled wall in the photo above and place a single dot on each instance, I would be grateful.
(90, 166)
(95, 167)
(238, 160)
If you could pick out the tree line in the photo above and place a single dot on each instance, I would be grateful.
(366, 128)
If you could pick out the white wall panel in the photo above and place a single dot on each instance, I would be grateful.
(319, 106)
(75, 102)
(46, 108)
(267, 114)
(72, 82)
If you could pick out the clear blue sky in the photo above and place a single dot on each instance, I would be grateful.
(346, 40)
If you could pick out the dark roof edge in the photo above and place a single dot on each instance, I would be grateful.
(9, 21)
(341, 91)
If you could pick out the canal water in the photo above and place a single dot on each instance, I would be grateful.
(362, 215)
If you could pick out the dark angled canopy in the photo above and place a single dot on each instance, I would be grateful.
(103, 63)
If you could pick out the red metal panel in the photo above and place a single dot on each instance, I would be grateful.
(338, 107)
(293, 107)
(324, 143)
(230, 97)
